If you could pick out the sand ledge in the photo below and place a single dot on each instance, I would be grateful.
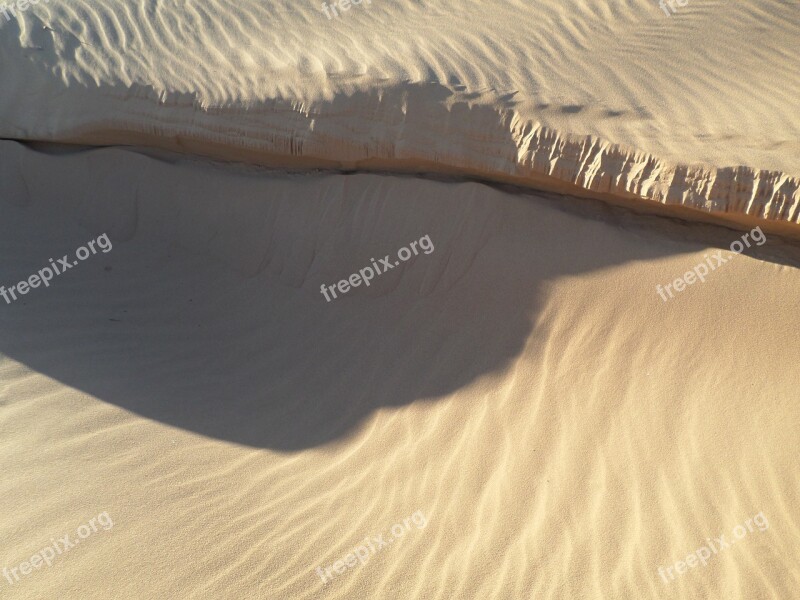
(430, 129)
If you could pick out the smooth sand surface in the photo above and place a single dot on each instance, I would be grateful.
(697, 110)
(563, 430)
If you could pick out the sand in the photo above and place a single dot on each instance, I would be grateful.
(696, 110)
(517, 414)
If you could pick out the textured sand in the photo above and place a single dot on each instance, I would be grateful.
(563, 430)
(695, 110)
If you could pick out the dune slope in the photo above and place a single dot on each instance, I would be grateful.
(557, 429)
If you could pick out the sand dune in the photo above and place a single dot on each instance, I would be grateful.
(520, 413)
(693, 110)
(564, 431)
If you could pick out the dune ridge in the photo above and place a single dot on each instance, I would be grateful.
(521, 151)
(242, 84)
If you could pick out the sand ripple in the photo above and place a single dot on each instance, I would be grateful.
(564, 432)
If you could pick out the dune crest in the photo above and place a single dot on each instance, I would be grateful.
(572, 110)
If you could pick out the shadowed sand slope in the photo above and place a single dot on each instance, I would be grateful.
(696, 110)
(562, 430)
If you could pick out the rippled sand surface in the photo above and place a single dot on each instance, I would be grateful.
(516, 411)
(519, 406)
(697, 109)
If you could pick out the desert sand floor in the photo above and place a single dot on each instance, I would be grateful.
(544, 423)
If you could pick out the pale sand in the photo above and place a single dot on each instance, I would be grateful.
(564, 431)
(696, 110)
